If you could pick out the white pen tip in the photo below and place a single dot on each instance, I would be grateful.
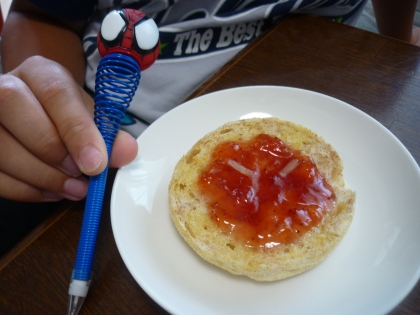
(78, 290)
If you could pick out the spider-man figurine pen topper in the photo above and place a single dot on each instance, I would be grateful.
(130, 32)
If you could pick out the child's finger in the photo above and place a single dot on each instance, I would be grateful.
(64, 102)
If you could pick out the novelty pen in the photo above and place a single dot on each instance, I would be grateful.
(128, 42)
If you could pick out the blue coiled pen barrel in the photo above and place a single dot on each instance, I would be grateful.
(117, 79)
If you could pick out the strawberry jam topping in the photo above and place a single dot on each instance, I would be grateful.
(263, 192)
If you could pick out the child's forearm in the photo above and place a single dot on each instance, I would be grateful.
(395, 18)
(29, 31)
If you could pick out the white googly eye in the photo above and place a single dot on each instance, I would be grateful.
(147, 34)
(112, 26)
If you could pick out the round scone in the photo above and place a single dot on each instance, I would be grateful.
(261, 197)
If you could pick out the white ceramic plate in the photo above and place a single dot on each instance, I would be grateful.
(370, 272)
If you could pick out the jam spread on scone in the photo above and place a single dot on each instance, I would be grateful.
(263, 192)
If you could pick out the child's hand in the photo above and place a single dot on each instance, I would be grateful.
(415, 36)
(48, 137)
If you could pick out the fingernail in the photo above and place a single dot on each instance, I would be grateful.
(75, 188)
(70, 167)
(90, 159)
(51, 196)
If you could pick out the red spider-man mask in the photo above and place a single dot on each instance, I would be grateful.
(130, 32)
